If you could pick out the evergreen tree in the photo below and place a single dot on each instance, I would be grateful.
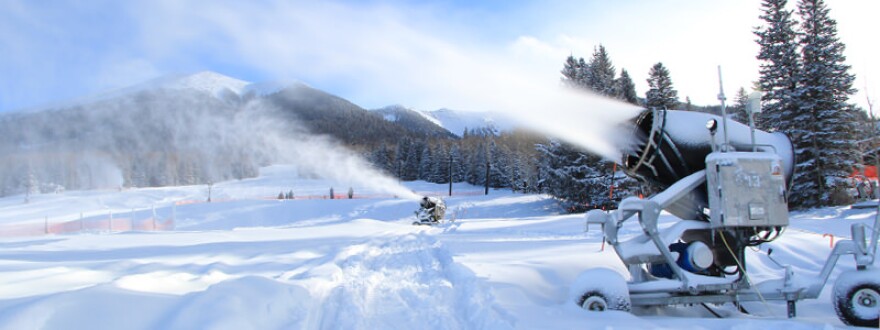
(626, 89)
(458, 164)
(738, 111)
(440, 167)
(499, 167)
(426, 162)
(661, 94)
(825, 86)
(401, 154)
(381, 159)
(572, 177)
(411, 163)
(570, 73)
(779, 69)
(583, 78)
(602, 73)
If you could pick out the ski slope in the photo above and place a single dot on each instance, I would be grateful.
(249, 261)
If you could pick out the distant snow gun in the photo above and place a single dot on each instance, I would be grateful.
(431, 211)
(727, 183)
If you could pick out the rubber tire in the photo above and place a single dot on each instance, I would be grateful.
(594, 301)
(843, 299)
(612, 296)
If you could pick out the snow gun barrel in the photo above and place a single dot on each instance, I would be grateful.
(673, 144)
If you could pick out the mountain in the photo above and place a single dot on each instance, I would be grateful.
(457, 121)
(415, 121)
(180, 130)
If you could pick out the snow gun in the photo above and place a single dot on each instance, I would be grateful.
(431, 211)
(727, 182)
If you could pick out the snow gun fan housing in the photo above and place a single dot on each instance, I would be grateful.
(671, 145)
(431, 210)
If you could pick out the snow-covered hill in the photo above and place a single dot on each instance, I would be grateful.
(457, 121)
(248, 260)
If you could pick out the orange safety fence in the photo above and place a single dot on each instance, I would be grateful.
(85, 226)
(335, 197)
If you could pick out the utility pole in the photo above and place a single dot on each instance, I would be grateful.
(450, 172)
(487, 177)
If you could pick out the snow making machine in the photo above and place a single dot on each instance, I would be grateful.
(727, 183)
(431, 211)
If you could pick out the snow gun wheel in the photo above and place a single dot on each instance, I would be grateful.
(856, 298)
(599, 290)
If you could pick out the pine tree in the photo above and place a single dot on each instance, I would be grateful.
(381, 159)
(411, 163)
(825, 86)
(738, 110)
(626, 89)
(661, 94)
(440, 166)
(500, 167)
(583, 78)
(602, 73)
(458, 164)
(779, 69)
(569, 73)
(426, 162)
(572, 177)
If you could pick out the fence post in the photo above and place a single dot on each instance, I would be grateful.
(47, 225)
(81, 224)
(110, 224)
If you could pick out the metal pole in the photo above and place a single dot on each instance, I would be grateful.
(487, 177)
(722, 98)
(450, 172)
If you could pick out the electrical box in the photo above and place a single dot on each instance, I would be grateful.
(746, 189)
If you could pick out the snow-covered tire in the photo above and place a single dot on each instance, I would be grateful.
(856, 298)
(600, 289)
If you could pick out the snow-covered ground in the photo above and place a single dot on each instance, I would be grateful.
(249, 261)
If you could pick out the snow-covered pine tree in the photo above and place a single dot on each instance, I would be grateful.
(825, 87)
(626, 88)
(440, 165)
(411, 163)
(570, 73)
(779, 69)
(602, 73)
(458, 164)
(401, 153)
(738, 111)
(661, 94)
(381, 159)
(583, 78)
(426, 162)
(572, 177)
(500, 167)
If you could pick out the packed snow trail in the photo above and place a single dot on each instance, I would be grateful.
(404, 282)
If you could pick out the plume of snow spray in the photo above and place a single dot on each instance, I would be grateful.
(321, 155)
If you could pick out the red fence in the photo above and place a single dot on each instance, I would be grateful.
(91, 225)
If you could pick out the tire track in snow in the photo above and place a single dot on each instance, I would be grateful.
(405, 282)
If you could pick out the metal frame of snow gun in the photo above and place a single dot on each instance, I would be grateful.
(728, 201)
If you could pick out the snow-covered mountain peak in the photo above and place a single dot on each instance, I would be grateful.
(206, 81)
(270, 87)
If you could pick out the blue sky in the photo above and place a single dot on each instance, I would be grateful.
(375, 53)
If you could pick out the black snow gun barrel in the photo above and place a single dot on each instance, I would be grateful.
(673, 144)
